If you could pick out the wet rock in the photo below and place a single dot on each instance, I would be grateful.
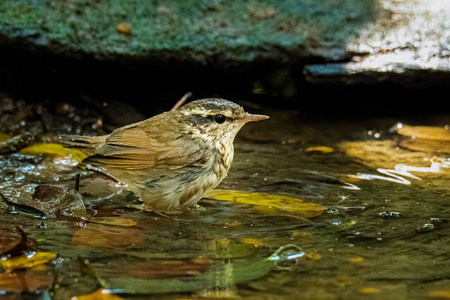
(408, 45)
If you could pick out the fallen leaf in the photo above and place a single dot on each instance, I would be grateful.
(124, 28)
(313, 256)
(370, 290)
(56, 149)
(423, 138)
(4, 137)
(300, 233)
(441, 294)
(269, 203)
(100, 294)
(379, 154)
(13, 240)
(26, 261)
(253, 241)
(319, 149)
(50, 200)
(356, 260)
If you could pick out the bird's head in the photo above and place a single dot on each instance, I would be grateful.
(215, 118)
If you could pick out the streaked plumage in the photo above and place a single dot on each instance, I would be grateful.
(170, 160)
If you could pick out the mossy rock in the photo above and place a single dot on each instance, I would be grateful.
(222, 32)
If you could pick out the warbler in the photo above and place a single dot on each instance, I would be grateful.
(172, 159)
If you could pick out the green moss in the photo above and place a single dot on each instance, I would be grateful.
(185, 30)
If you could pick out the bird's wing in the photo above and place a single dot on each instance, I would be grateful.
(142, 146)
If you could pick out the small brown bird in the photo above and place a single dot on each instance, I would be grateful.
(170, 160)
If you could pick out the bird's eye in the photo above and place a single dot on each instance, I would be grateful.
(219, 118)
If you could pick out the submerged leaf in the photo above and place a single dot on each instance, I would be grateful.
(219, 275)
(268, 203)
(98, 235)
(27, 261)
(167, 269)
(51, 200)
(26, 280)
(13, 240)
(50, 148)
(115, 221)
(196, 274)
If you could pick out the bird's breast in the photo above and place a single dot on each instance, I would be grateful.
(225, 151)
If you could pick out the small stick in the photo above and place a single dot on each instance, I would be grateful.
(181, 101)
(77, 182)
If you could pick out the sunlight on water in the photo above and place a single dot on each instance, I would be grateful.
(401, 171)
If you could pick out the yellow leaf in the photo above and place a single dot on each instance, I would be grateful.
(253, 241)
(50, 148)
(313, 256)
(356, 260)
(27, 261)
(319, 149)
(4, 137)
(300, 233)
(441, 294)
(113, 221)
(370, 290)
(268, 203)
(100, 294)
(124, 28)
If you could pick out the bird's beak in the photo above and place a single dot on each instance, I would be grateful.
(252, 118)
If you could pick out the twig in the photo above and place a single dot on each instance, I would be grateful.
(181, 101)
(77, 182)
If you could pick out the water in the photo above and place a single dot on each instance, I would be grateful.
(384, 235)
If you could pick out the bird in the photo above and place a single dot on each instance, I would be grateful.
(172, 159)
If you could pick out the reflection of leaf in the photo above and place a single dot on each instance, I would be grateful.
(87, 270)
(268, 203)
(97, 235)
(26, 280)
(167, 269)
(53, 149)
(100, 294)
(27, 261)
(221, 272)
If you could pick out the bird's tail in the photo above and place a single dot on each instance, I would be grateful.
(87, 144)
